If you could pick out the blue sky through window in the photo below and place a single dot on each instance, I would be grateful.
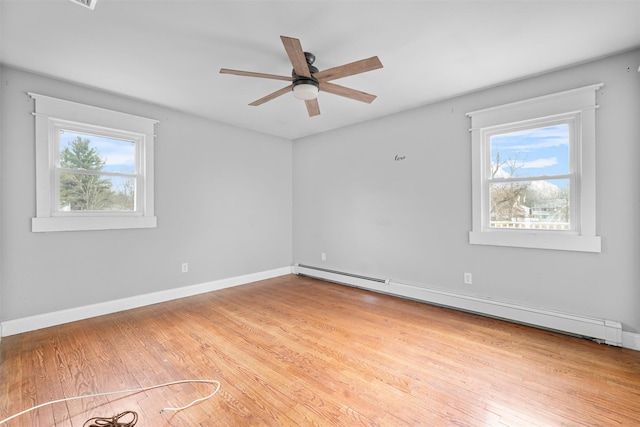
(532, 152)
(119, 154)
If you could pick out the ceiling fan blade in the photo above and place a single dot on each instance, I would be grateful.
(347, 92)
(271, 96)
(313, 108)
(350, 69)
(252, 74)
(296, 56)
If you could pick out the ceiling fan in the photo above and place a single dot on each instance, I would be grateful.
(306, 80)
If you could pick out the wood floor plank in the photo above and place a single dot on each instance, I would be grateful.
(297, 351)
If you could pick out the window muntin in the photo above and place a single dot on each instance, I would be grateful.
(529, 173)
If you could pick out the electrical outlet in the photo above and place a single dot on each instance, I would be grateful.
(323, 256)
(468, 278)
(185, 267)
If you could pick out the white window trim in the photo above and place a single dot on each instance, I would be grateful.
(50, 113)
(582, 103)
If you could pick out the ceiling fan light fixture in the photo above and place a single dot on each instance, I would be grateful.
(305, 91)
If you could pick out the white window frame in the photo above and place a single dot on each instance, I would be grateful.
(577, 106)
(53, 114)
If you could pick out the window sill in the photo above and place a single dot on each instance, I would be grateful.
(537, 241)
(39, 225)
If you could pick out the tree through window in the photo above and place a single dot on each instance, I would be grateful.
(530, 179)
(96, 173)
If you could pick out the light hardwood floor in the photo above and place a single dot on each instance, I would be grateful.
(297, 351)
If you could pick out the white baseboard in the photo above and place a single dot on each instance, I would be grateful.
(631, 340)
(45, 320)
(605, 330)
(611, 329)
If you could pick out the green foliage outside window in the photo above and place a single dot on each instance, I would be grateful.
(83, 188)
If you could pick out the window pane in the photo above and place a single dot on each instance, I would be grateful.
(531, 152)
(91, 152)
(81, 192)
(542, 205)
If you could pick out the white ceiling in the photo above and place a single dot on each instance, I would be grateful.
(169, 52)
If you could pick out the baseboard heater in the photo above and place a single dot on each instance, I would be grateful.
(601, 330)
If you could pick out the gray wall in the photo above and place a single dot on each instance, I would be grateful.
(223, 198)
(408, 220)
(224, 203)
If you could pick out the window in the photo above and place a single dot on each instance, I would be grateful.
(94, 168)
(533, 173)
(94, 172)
(531, 176)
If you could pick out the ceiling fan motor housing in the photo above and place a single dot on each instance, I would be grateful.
(311, 58)
(298, 80)
(306, 87)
